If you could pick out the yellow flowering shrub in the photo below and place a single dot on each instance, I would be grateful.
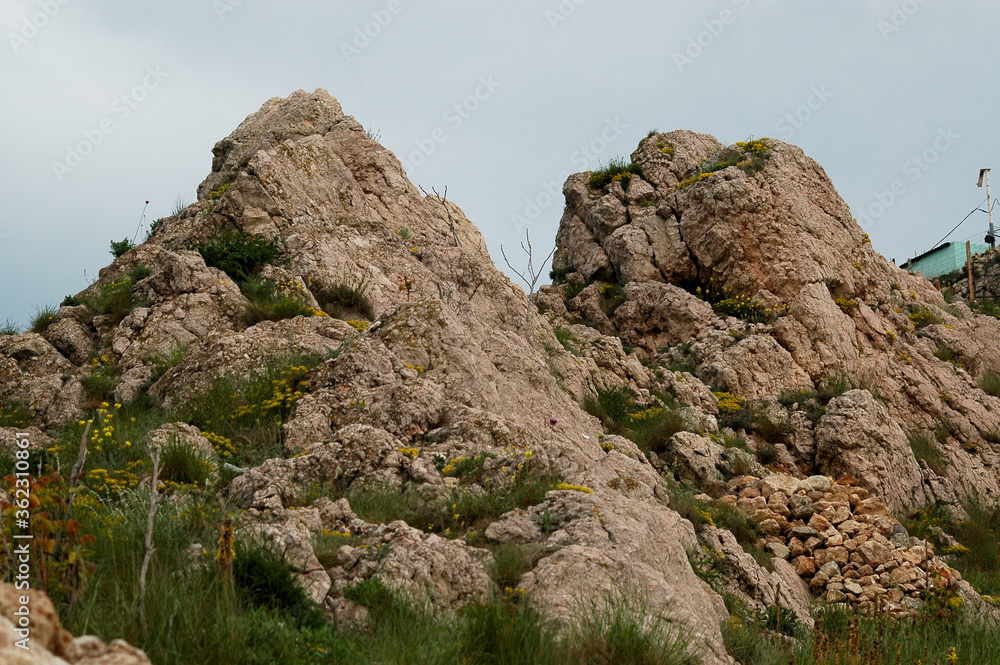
(728, 402)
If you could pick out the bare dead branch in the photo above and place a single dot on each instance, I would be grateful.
(444, 202)
(154, 497)
(81, 458)
(531, 276)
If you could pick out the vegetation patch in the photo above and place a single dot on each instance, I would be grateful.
(559, 274)
(611, 297)
(748, 156)
(567, 340)
(239, 255)
(183, 464)
(115, 299)
(649, 426)
(15, 413)
(720, 515)
(118, 248)
(925, 448)
(465, 512)
(990, 383)
(43, 318)
(348, 299)
(921, 316)
(726, 303)
(267, 304)
(249, 412)
(616, 170)
(99, 385)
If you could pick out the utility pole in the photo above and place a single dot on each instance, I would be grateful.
(991, 237)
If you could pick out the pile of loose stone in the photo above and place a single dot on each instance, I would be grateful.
(842, 542)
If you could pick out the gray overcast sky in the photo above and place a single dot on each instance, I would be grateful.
(887, 81)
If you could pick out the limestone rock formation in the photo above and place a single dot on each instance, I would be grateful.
(757, 233)
(727, 287)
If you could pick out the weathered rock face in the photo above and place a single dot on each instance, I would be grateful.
(857, 437)
(770, 231)
(49, 642)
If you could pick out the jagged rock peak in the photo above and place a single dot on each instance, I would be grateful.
(279, 119)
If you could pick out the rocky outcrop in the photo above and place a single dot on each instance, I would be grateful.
(742, 264)
(727, 285)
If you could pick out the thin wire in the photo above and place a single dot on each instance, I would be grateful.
(938, 243)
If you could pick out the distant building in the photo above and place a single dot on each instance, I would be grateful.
(941, 260)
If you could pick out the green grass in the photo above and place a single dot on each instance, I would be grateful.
(512, 560)
(947, 354)
(348, 299)
(565, 338)
(507, 633)
(979, 562)
(843, 636)
(164, 363)
(266, 581)
(99, 385)
(249, 411)
(573, 289)
(611, 297)
(558, 274)
(921, 316)
(621, 629)
(10, 327)
(987, 307)
(43, 318)
(925, 448)
(464, 510)
(115, 299)
(266, 304)
(15, 413)
(650, 428)
(616, 170)
(770, 430)
(700, 513)
(185, 465)
(990, 383)
(725, 302)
